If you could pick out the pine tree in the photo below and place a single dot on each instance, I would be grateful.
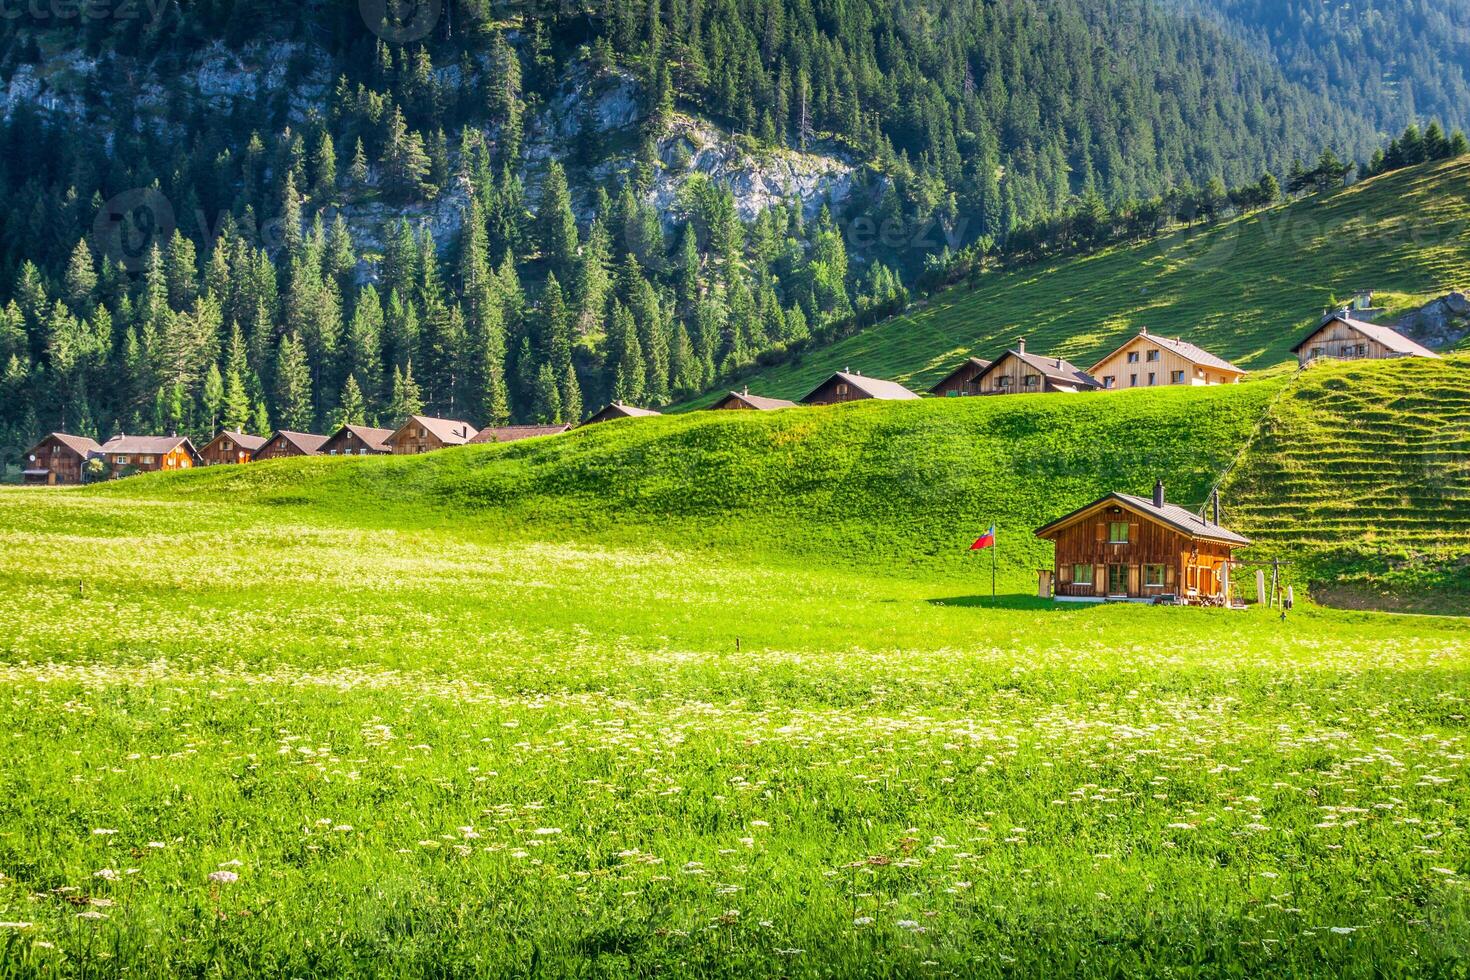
(260, 423)
(350, 407)
(629, 371)
(357, 171)
(293, 386)
(324, 169)
(212, 396)
(546, 402)
(406, 399)
(291, 233)
(235, 410)
(556, 225)
(81, 278)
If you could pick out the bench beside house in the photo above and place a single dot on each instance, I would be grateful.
(425, 434)
(124, 455)
(1018, 372)
(231, 447)
(1148, 360)
(1342, 337)
(60, 459)
(1123, 547)
(286, 444)
(848, 386)
(358, 440)
(962, 381)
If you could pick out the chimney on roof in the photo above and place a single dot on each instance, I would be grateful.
(1215, 507)
(747, 391)
(1158, 493)
(1020, 345)
(1143, 331)
(1059, 364)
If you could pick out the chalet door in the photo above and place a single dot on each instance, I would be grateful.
(1117, 580)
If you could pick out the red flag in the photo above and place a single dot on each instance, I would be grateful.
(987, 540)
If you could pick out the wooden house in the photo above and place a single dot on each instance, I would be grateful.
(423, 434)
(846, 386)
(1340, 336)
(1148, 360)
(744, 401)
(515, 433)
(59, 459)
(617, 410)
(125, 455)
(231, 447)
(963, 380)
(358, 440)
(1018, 372)
(285, 444)
(1129, 548)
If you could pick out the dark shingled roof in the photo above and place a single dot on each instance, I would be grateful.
(515, 433)
(974, 365)
(1181, 520)
(758, 402)
(1387, 336)
(244, 440)
(81, 445)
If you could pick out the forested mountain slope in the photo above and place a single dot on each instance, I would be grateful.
(233, 212)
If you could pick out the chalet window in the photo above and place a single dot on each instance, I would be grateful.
(1153, 576)
(841, 390)
(1082, 574)
(1110, 382)
(1133, 381)
(1118, 532)
(1003, 382)
(1176, 378)
(1031, 381)
(1133, 357)
(146, 460)
(122, 461)
(1316, 352)
(228, 447)
(1153, 355)
(1153, 379)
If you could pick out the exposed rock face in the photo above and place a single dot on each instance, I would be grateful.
(1439, 324)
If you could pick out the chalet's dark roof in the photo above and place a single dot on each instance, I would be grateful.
(451, 432)
(1183, 348)
(146, 445)
(617, 410)
(371, 437)
(1387, 336)
(309, 443)
(244, 440)
(515, 433)
(1181, 520)
(872, 387)
(973, 365)
(758, 402)
(81, 445)
(1054, 369)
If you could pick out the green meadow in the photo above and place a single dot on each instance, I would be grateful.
(711, 695)
(1247, 289)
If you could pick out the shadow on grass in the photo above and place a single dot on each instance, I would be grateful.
(1030, 603)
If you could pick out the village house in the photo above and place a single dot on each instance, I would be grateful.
(1148, 360)
(617, 410)
(59, 459)
(744, 401)
(1018, 372)
(124, 455)
(358, 440)
(846, 386)
(515, 433)
(422, 434)
(1341, 336)
(231, 447)
(284, 444)
(1129, 548)
(963, 380)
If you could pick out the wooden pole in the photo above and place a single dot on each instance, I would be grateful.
(992, 574)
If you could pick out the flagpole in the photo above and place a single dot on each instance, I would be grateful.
(992, 574)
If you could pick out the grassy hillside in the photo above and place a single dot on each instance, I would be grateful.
(1247, 289)
(1362, 472)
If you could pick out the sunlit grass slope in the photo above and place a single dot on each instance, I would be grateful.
(1247, 289)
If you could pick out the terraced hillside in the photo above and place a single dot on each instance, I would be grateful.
(1246, 289)
(1362, 472)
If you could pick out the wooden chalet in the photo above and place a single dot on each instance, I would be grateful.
(963, 380)
(846, 386)
(125, 455)
(285, 444)
(744, 401)
(515, 433)
(1148, 360)
(617, 410)
(358, 440)
(1127, 548)
(1018, 372)
(1340, 336)
(60, 459)
(231, 447)
(423, 434)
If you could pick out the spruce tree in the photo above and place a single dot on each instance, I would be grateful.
(556, 225)
(293, 385)
(546, 401)
(350, 407)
